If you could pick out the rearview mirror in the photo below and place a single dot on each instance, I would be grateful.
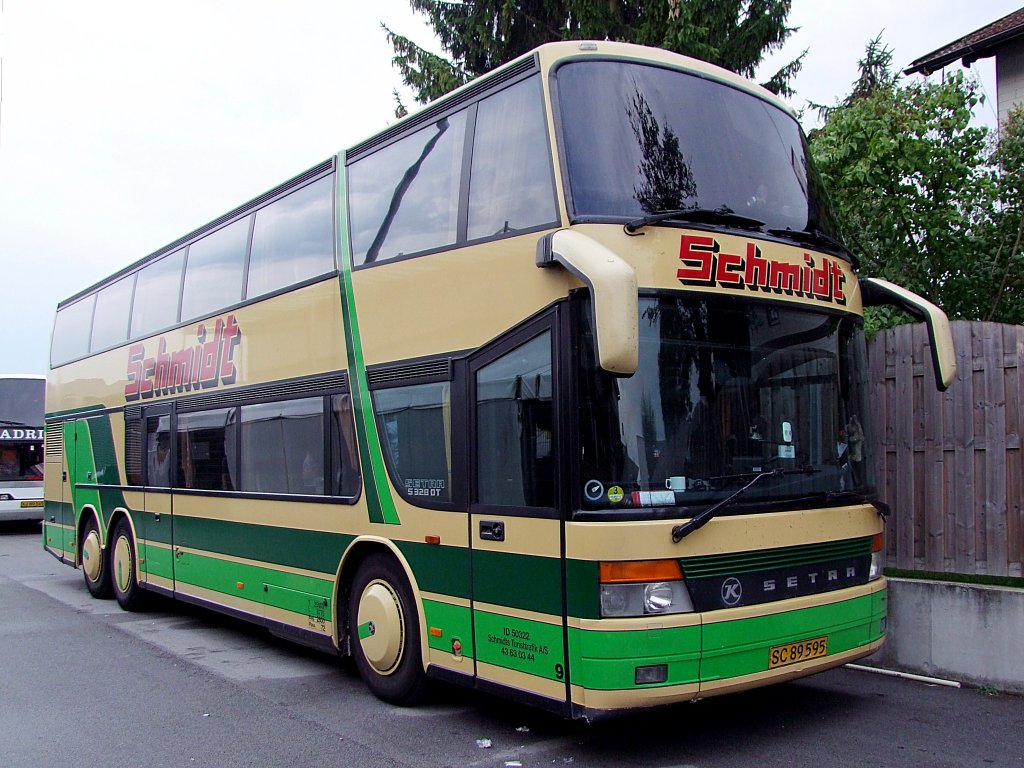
(613, 288)
(877, 292)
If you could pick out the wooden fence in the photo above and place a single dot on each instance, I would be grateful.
(950, 463)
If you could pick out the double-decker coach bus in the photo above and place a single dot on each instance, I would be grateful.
(555, 388)
(21, 447)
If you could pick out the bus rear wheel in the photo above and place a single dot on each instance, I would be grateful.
(129, 594)
(94, 566)
(384, 631)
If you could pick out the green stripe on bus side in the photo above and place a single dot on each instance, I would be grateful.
(219, 576)
(292, 547)
(526, 582)
(58, 510)
(53, 535)
(582, 589)
(378, 495)
(59, 534)
(454, 622)
(316, 607)
(283, 590)
(533, 647)
(155, 562)
(440, 569)
(737, 648)
(607, 661)
(146, 523)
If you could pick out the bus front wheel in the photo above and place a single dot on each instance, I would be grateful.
(122, 566)
(384, 631)
(94, 566)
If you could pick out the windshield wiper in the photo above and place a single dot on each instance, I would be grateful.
(723, 215)
(683, 530)
(856, 497)
(8, 423)
(815, 237)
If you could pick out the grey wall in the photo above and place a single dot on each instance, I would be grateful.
(967, 633)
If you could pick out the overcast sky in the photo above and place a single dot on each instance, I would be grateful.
(125, 124)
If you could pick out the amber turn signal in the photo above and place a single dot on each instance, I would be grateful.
(640, 570)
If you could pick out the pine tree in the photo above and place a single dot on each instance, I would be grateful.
(479, 35)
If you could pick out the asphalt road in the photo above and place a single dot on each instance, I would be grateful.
(83, 683)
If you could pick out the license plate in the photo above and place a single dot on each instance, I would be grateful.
(26, 504)
(793, 653)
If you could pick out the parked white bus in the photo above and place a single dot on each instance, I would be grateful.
(21, 447)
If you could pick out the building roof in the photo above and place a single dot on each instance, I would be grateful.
(977, 45)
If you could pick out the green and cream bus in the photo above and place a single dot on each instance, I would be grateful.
(553, 389)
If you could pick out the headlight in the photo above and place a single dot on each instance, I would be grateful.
(658, 597)
(643, 589)
(877, 556)
(876, 566)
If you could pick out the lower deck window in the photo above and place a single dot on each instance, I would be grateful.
(415, 426)
(206, 450)
(515, 428)
(283, 447)
(302, 447)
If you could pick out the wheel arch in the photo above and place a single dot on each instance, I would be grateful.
(119, 514)
(106, 530)
(356, 553)
(88, 511)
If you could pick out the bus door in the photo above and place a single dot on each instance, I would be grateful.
(155, 527)
(82, 481)
(516, 534)
(59, 520)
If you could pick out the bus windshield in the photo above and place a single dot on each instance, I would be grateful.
(21, 429)
(641, 139)
(724, 391)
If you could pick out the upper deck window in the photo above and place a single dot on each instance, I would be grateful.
(213, 273)
(641, 139)
(293, 239)
(405, 197)
(110, 319)
(156, 295)
(280, 240)
(479, 173)
(511, 186)
(71, 331)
